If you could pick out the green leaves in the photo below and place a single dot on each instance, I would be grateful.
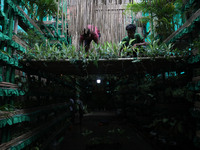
(160, 13)
(41, 8)
(31, 37)
(156, 48)
(98, 51)
(106, 50)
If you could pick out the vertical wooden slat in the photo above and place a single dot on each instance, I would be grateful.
(16, 25)
(58, 15)
(65, 23)
(96, 13)
(62, 17)
(9, 49)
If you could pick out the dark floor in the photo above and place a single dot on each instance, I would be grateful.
(102, 130)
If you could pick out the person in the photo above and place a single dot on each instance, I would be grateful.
(80, 108)
(72, 109)
(92, 34)
(138, 39)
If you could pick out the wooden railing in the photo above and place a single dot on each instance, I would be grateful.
(19, 41)
(8, 85)
(185, 25)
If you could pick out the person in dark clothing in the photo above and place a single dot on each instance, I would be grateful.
(80, 108)
(89, 35)
(72, 109)
(137, 39)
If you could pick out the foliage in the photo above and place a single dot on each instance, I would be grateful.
(157, 48)
(197, 43)
(195, 46)
(4, 52)
(30, 37)
(7, 107)
(87, 132)
(21, 82)
(161, 18)
(41, 8)
(99, 51)
(116, 131)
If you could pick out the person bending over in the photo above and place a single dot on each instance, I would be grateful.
(89, 35)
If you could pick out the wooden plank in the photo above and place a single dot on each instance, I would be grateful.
(48, 30)
(31, 21)
(49, 22)
(29, 134)
(10, 114)
(110, 7)
(185, 25)
(8, 85)
(105, 66)
(19, 41)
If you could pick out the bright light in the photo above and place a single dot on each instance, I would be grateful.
(98, 81)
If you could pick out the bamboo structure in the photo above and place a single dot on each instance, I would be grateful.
(107, 15)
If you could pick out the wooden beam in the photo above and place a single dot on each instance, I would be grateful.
(19, 41)
(31, 21)
(30, 134)
(9, 114)
(8, 85)
(110, 7)
(185, 25)
(105, 66)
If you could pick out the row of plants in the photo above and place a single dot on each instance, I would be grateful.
(100, 51)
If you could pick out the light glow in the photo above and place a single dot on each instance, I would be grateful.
(98, 81)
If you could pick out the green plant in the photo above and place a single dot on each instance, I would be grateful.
(86, 132)
(99, 51)
(160, 18)
(7, 107)
(41, 8)
(117, 131)
(4, 52)
(30, 37)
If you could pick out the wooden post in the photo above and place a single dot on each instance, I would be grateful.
(57, 20)
(65, 24)
(9, 49)
(62, 18)
(4, 25)
(16, 25)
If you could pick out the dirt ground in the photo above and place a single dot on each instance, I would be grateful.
(103, 130)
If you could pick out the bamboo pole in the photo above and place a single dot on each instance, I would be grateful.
(58, 15)
(62, 17)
